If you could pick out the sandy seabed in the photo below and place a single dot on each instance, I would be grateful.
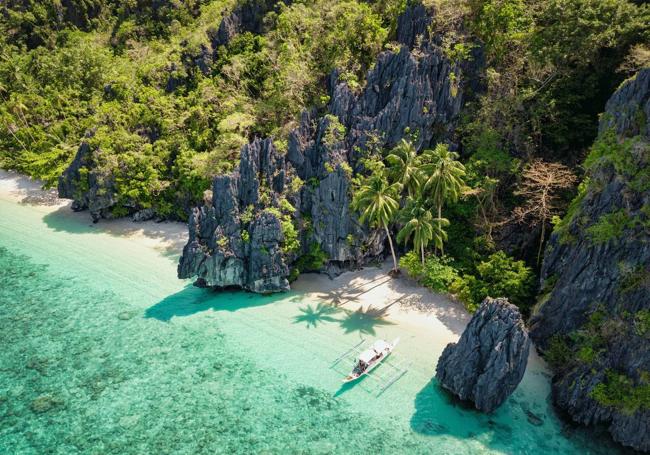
(370, 290)
(106, 351)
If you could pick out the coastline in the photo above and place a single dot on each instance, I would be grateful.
(369, 291)
(168, 237)
(369, 303)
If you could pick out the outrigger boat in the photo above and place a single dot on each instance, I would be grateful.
(371, 358)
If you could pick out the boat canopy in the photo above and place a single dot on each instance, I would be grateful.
(377, 348)
(380, 345)
(367, 356)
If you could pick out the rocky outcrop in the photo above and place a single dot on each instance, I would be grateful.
(88, 187)
(596, 279)
(409, 93)
(489, 360)
(247, 17)
(237, 239)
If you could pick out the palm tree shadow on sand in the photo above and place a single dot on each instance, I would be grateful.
(192, 300)
(365, 321)
(315, 315)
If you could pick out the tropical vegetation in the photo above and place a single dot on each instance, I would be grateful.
(132, 78)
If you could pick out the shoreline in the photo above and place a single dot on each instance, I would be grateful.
(369, 291)
(167, 237)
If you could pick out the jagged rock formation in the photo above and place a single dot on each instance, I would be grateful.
(232, 245)
(489, 360)
(87, 186)
(411, 90)
(91, 187)
(246, 17)
(596, 276)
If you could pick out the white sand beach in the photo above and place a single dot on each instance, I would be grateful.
(369, 291)
(167, 237)
(373, 292)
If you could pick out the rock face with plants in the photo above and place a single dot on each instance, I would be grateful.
(410, 90)
(233, 244)
(489, 360)
(593, 320)
(88, 187)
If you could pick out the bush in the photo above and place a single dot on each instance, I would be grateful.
(504, 276)
(620, 392)
(312, 261)
(558, 354)
(498, 276)
(436, 274)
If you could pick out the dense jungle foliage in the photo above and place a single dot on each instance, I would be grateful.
(126, 72)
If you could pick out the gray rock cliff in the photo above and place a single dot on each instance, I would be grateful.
(87, 185)
(489, 360)
(248, 16)
(408, 91)
(235, 240)
(596, 278)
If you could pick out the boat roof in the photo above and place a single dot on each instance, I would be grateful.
(380, 345)
(377, 347)
(367, 355)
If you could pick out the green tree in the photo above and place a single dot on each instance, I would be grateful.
(443, 177)
(377, 201)
(420, 224)
(404, 167)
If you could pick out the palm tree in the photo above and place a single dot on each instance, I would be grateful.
(420, 224)
(404, 169)
(443, 177)
(377, 201)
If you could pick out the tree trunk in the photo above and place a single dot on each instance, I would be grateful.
(422, 251)
(541, 242)
(392, 250)
(442, 243)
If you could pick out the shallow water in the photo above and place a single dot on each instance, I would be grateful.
(105, 351)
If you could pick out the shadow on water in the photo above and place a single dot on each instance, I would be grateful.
(314, 315)
(438, 412)
(192, 300)
(172, 235)
(349, 386)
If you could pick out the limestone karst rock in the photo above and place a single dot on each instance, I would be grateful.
(489, 360)
(600, 283)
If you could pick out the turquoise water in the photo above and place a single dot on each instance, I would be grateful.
(105, 351)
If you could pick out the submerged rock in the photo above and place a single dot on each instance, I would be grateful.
(596, 279)
(45, 403)
(489, 360)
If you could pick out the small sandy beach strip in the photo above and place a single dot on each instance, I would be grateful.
(370, 291)
(374, 293)
(167, 237)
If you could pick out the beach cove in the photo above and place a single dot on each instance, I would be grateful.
(106, 351)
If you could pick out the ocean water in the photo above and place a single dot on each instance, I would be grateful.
(104, 351)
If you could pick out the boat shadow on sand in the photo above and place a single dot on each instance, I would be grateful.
(192, 300)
